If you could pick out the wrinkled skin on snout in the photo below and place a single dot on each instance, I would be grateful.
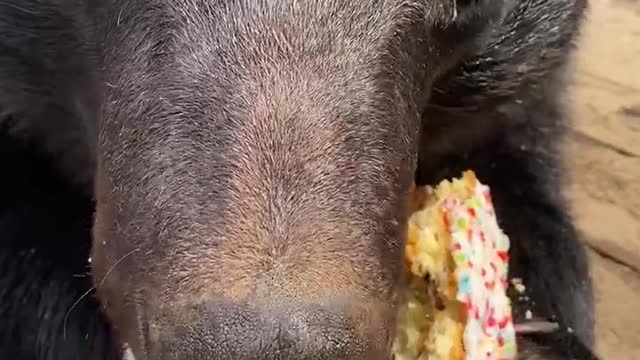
(254, 164)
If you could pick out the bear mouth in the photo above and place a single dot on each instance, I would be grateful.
(529, 325)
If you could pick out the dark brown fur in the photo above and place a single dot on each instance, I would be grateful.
(268, 173)
(255, 160)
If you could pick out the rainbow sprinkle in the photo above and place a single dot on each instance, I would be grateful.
(480, 253)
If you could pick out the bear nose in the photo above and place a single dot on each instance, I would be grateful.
(243, 332)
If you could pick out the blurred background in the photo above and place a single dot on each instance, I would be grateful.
(604, 149)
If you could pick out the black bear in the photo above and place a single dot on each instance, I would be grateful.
(45, 227)
(233, 175)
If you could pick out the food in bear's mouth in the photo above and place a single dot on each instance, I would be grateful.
(455, 305)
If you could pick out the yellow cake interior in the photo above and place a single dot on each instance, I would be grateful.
(431, 320)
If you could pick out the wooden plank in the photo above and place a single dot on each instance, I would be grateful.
(604, 191)
(617, 290)
(607, 78)
(604, 168)
(604, 149)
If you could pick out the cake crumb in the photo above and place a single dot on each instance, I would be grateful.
(518, 285)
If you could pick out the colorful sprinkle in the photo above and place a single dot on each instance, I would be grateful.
(480, 254)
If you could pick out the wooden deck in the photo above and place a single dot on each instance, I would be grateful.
(605, 168)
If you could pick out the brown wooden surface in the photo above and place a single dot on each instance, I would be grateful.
(604, 158)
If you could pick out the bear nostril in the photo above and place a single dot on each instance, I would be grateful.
(243, 332)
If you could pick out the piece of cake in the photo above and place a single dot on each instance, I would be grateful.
(455, 304)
